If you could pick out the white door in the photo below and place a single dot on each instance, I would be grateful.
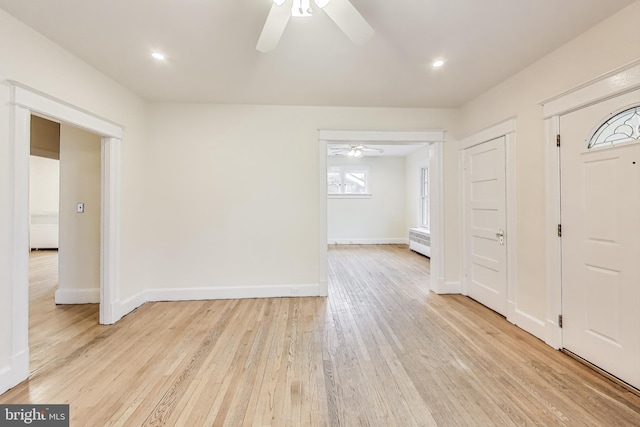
(600, 205)
(485, 224)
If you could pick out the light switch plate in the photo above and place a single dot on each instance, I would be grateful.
(80, 207)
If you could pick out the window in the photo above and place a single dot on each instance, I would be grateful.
(424, 197)
(348, 181)
(622, 127)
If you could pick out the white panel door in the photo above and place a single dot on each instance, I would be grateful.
(485, 224)
(600, 192)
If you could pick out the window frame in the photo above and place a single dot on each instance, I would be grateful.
(424, 206)
(343, 170)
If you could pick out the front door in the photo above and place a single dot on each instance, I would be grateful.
(485, 224)
(600, 205)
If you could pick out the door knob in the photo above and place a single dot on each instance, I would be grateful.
(500, 236)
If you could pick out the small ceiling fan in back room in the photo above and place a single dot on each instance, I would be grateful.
(342, 12)
(354, 150)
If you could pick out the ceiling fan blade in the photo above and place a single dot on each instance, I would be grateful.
(273, 27)
(349, 20)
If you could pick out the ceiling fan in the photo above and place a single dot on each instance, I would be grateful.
(353, 150)
(342, 12)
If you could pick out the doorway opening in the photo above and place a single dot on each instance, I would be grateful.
(25, 103)
(392, 139)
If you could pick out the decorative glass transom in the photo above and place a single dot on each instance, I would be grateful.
(623, 127)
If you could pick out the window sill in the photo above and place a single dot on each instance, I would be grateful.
(350, 196)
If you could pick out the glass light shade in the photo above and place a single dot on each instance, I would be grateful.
(301, 8)
(279, 2)
(322, 3)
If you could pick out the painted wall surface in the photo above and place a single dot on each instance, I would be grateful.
(237, 186)
(379, 219)
(45, 138)
(30, 59)
(44, 184)
(611, 44)
(79, 253)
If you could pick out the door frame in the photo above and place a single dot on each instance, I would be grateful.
(506, 129)
(433, 138)
(26, 101)
(617, 82)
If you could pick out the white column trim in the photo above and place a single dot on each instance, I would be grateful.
(436, 208)
(20, 265)
(553, 243)
(110, 231)
(323, 279)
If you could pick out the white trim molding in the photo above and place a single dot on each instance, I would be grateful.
(41, 104)
(435, 138)
(77, 296)
(26, 101)
(506, 129)
(379, 241)
(240, 292)
(503, 128)
(617, 82)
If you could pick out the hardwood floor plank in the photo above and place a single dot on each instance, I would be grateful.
(381, 350)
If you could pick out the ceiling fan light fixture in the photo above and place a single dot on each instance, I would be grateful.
(301, 9)
(321, 3)
(279, 2)
(355, 153)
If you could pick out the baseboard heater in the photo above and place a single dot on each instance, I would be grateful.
(420, 241)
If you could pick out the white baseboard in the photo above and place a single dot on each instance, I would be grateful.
(131, 303)
(16, 372)
(78, 296)
(382, 241)
(440, 287)
(197, 294)
(529, 323)
(187, 294)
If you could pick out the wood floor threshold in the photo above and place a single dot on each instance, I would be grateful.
(617, 381)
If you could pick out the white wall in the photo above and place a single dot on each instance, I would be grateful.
(233, 190)
(611, 44)
(29, 58)
(79, 254)
(44, 184)
(379, 219)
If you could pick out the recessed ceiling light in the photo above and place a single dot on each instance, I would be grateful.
(159, 56)
(438, 63)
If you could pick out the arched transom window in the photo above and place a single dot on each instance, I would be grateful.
(622, 127)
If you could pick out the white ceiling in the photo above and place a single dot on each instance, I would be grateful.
(210, 46)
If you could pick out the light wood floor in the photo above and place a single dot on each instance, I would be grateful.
(380, 351)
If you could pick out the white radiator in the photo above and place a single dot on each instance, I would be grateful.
(43, 233)
(420, 241)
